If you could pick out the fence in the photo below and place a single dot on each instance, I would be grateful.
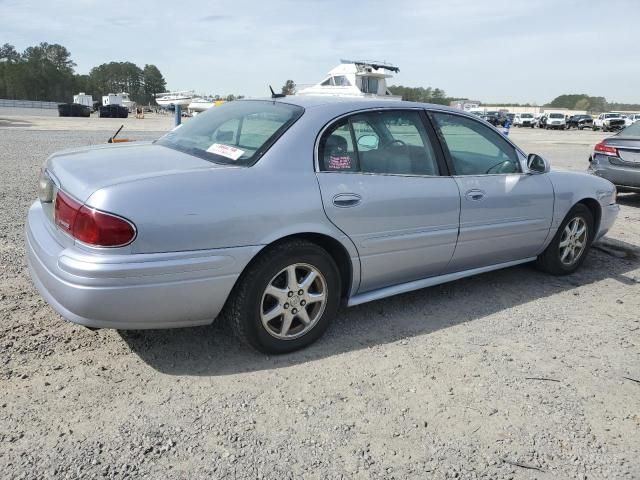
(27, 104)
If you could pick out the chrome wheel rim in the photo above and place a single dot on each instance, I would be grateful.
(573, 241)
(293, 301)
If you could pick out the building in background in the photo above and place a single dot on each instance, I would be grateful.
(465, 104)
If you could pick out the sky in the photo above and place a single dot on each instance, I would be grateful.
(488, 50)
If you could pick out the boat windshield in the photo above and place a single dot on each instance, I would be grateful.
(369, 85)
(237, 133)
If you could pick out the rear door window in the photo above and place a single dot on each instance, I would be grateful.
(384, 142)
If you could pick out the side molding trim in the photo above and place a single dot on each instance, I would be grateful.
(428, 282)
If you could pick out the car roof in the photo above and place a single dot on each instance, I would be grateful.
(351, 103)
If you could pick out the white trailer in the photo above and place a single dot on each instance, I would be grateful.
(112, 99)
(83, 99)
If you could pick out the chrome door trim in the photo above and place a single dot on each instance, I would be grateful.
(428, 282)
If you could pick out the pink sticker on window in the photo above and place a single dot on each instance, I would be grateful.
(339, 163)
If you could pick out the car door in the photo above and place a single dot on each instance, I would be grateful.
(381, 179)
(505, 214)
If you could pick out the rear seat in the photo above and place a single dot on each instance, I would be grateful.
(409, 160)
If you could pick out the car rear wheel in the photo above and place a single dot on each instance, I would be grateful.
(285, 300)
(572, 241)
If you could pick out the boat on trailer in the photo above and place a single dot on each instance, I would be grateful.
(168, 99)
(356, 78)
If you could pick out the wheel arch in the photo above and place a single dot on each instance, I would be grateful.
(596, 210)
(349, 271)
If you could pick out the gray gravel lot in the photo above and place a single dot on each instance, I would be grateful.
(511, 374)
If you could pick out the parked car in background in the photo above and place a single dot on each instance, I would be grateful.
(555, 121)
(492, 118)
(617, 158)
(113, 111)
(580, 122)
(631, 119)
(524, 120)
(608, 122)
(275, 212)
(73, 110)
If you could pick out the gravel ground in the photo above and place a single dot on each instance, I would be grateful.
(511, 374)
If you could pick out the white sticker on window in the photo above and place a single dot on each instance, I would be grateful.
(226, 151)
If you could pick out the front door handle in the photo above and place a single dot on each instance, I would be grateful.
(344, 200)
(475, 195)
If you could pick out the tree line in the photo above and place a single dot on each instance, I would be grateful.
(421, 94)
(582, 101)
(46, 72)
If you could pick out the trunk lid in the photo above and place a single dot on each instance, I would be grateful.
(82, 171)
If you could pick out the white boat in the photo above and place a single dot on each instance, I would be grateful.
(127, 102)
(174, 98)
(200, 104)
(354, 78)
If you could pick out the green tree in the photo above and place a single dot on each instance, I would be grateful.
(421, 94)
(582, 104)
(116, 77)
(289, 87)
(9, 54)
(154, 82)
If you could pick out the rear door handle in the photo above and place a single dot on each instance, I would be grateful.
(344, 200)
(475, 195)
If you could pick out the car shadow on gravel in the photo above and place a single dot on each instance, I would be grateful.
(629, 199)
(213, 351)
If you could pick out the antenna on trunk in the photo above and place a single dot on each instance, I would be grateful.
(276, 95)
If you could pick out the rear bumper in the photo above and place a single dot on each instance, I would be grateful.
(620, 175)
(130, 291)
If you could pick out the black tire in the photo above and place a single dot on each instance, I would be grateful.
(244, 306)
(549, 260)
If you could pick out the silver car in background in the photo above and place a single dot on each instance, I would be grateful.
(273, 213)
(617, 158)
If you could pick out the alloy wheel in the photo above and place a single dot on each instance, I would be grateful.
(573, 241)
(293, 301)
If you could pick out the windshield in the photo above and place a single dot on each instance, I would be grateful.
(632, 130)
(526, 115)
(556, 115)
(237, 132)
(612, 115)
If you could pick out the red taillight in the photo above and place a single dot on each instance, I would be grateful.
(606, 149)
(92, 226)
(66, 211)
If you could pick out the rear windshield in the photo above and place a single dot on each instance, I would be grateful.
(632, 130)
(556, 115)
(237, 133)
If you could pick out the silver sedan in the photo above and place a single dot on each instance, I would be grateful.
(273, 213)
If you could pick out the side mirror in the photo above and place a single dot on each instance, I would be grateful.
(369, 142)
(537, 164)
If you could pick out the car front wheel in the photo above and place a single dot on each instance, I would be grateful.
(285, 300)
(570, 245)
